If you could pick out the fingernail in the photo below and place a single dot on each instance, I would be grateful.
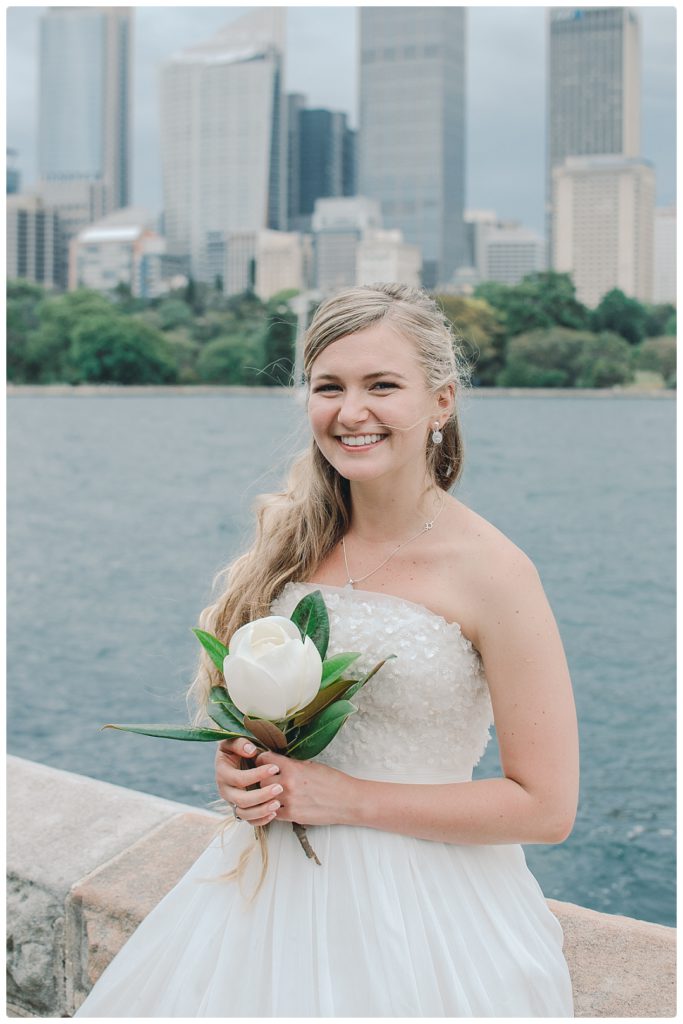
(249, 748)
(273, 770)
(276, 789)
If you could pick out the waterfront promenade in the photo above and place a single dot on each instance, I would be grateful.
(87, 860)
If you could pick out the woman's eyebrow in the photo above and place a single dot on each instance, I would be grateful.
(368, 376)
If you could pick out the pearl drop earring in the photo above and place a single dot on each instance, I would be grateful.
(437, 436)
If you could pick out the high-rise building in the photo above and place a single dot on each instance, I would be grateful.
(338, 226)
(223, 140)
(122, 248)
(322, 162)
(384, 256)
(603, 225)
(84, 128)
(34, 244)
(321, 159)
(511, 252)
(296, 102)
(477, 225)
(412, 128)
(593, 104)
(268, 262)
(13, 175)
(664, 285)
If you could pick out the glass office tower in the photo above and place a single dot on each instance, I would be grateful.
(412, 128)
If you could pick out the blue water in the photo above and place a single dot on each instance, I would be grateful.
(122, 508)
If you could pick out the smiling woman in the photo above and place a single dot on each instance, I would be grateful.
(422, 904)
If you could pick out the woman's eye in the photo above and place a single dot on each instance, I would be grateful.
(382, 384)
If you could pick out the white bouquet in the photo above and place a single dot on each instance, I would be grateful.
(281, 691)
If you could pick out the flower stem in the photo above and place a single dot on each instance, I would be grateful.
(300, 831)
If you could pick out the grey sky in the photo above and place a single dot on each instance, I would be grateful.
(505, 91)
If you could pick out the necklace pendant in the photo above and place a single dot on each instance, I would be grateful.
(428, 526)
(349, 585)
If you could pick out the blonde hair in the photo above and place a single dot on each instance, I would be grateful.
(296, 529)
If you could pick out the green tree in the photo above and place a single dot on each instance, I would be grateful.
(23, 303)
(233, 359)
(658, 354)
(541, 300)
(544, 358)
(658, 318)
(278, 345)
(671, 325)
(48, 347)
(173, 313)
(195, 294)
(116, 350)
(125, 301)
(185, 353)
(606, 360)
(480, 330)
(618, 313)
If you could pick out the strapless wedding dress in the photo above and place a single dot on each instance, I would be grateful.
(388, 925)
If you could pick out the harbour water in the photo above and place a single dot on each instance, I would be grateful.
(121, 509)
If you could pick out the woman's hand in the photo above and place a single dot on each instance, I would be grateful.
(313, 793)
(257, 806)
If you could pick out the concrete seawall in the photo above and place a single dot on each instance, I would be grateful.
(86, 861)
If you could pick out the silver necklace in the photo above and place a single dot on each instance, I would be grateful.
(427, 526)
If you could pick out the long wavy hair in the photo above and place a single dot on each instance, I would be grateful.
(297, 528)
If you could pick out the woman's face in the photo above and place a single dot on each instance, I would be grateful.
(369, 407)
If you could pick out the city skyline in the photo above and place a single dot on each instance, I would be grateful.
(505, 92)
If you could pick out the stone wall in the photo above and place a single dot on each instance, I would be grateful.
(86, 861)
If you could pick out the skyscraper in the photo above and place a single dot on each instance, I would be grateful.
(13, 175)
(324, 163)
(223, 140)
(664, 284)
(593, 81)
(412, 128)
(603, 225)
(84, 104)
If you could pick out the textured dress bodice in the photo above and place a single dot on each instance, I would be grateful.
(426, 715)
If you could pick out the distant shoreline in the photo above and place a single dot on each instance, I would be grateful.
(136, 390)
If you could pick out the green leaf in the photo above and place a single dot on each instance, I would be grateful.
(222, 717)
(178, 732)
(213, 647)
(320, 701)
(321, 730)
(335, 667)
(219, 695)
(361, 682)
(310, 615)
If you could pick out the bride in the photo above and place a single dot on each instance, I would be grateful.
(423, 904)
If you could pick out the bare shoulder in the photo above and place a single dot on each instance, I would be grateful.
(483, 551)
(491, 575)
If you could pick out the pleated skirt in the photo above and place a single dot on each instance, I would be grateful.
(387, 926)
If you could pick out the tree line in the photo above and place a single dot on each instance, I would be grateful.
(533, 334)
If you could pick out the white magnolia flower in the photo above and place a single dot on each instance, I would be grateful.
(270, 671)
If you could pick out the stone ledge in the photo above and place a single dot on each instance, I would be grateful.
(620, 967)
(104, 909)
(73, 901)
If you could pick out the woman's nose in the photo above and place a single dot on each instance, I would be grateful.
(353, 408)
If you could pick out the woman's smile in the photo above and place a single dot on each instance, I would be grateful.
(357, 443)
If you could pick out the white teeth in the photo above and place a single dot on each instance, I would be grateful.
(356, 440)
